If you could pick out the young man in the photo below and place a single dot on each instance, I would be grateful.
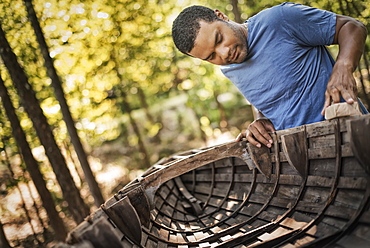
(278, 60)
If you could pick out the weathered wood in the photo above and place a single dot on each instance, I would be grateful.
(295, 148)
(360, 137)
(261, 158)
(100, 234)
(125, 217)
(317, 194)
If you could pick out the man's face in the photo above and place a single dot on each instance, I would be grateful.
(220, 43)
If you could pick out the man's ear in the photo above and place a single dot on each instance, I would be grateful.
(221, 15)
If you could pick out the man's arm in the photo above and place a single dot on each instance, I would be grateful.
(258, 131)
(350, 35)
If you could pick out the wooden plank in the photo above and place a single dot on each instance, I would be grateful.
(244, 178)
(302, 217)
(322, 167)
(305, 240)
(163, 233)
(290, 180)
(287, 169)
(282, 202)
(319, 181)
(362, 231)
(337, 223)
(161, 245)
(251, 209)
(278, 211)
(295, 148)
(151, 244)
(240, 191)
(101, 234)
(359, 131)
(200, 235)
(261, 158)
(322, 229)
(263, 189)
(344, 182)
(273, 235)
(315, 195)
(353, 183)
(212, 154)
(352, 168)
(340, 212)
(288, 191)
(226, 162)
(231, 205)
(268, 216)
(349, 198)
(322, 141)
(324, 128)
(292, 223)
(125, 217)
(365, 218)
(352, 241)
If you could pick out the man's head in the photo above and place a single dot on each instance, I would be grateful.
(186, 26)
(209, 35)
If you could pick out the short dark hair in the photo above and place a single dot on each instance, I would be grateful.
(186, 26)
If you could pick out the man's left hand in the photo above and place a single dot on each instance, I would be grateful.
(341, 83)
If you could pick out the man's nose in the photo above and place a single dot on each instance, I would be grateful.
(223, 52)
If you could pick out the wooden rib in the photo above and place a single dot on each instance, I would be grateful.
(295, 148)
(100, 233)
(211, 186)
(348, 228)
(334, 188)
(212, 212)
(125, 217)
(194, 181)
(256, 232)
(152, 181)
(273, 225)
(223, 232)
(194, 202)
(261, 158)
(232, 229)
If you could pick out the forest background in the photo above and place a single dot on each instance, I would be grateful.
(94, 92)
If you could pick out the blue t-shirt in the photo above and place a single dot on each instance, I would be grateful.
(287, 66)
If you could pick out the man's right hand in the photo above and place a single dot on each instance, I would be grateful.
(258, 133)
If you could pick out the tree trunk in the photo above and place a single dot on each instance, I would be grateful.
(32, 166)
(221, 110)
(76, 205)
(3, 241)
(144, 104)
(149, 116)
(142, 148)
(59, 94)
(236, 11)
(127, 108)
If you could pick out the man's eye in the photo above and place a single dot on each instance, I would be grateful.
(219, 39)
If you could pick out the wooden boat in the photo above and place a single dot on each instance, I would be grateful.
(311, 189)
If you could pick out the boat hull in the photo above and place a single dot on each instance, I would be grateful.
(311, 189)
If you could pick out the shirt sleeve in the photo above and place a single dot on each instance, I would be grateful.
(307, 25)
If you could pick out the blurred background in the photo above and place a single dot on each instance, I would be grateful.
(94, 92)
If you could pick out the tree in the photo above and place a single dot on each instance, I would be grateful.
(59, 93)
(3, 241)
(76, 205)
(32, 165)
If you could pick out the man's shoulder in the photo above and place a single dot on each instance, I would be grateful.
(271, 13)
(285, 9)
